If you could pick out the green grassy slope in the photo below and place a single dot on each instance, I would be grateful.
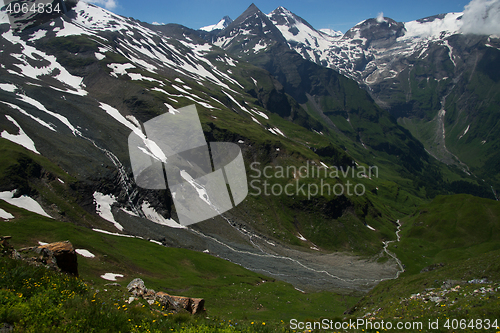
(442, 294)
(452, 241)
(447, 229)
(34, 299)
(230, 291)
(470, 93)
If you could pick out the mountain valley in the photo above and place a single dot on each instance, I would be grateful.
(408, 112)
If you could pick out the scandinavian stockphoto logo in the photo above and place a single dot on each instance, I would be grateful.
(205, 179)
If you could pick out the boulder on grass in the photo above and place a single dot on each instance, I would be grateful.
(65, 255)
(137, 287)
(191, 305)
(60, 256)
(176, 303)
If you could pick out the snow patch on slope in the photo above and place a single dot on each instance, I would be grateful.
(23, 202)
(465, 132)
(38, 120)
(111, 276)
(103, 204)
(450, 24)
(54, 69)
(119, 69)
(41, 107)
(21, 139)
(5, 215)
(8, 87)
(153, 216)
(85, 253)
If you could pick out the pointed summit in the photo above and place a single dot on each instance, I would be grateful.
(251, 10)
(282, 16)
(226, 20)
(251, 32)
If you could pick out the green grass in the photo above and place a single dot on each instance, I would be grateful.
(408, 298)
(230, 291)
(445, 243)
(447, 229)
(72, 51)
(14, 157)
(36, 175)
(35, 299)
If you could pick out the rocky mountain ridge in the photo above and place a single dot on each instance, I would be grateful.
(412, 69)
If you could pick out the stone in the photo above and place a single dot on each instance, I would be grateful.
(182, 302)
(191, 305)
(65, 256)
(432, 267)
(197, 305)
(165, 300)
(6, 328)
(137, 287)
(176, 303)
(5, 247)
(150, 294)
(59, 256)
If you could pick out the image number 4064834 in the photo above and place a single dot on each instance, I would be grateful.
(24, 14)
(23, 7)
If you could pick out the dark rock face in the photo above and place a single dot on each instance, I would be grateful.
(384, 32)
(250, 29)
(282, 16)
(227, 21)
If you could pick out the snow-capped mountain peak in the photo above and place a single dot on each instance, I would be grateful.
(434, 26)
(252, 32)
(226, 20)
(376, 29)
(300, 35)
(282, 17)
(331, 32)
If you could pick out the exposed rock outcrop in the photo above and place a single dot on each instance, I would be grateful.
(60, 256)
(176, 303)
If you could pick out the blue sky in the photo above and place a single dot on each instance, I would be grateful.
(334, 14)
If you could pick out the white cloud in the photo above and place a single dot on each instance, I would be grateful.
(108, 4)
(482, 17)
(380, 17)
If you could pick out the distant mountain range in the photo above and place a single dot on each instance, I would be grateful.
(416, 70)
